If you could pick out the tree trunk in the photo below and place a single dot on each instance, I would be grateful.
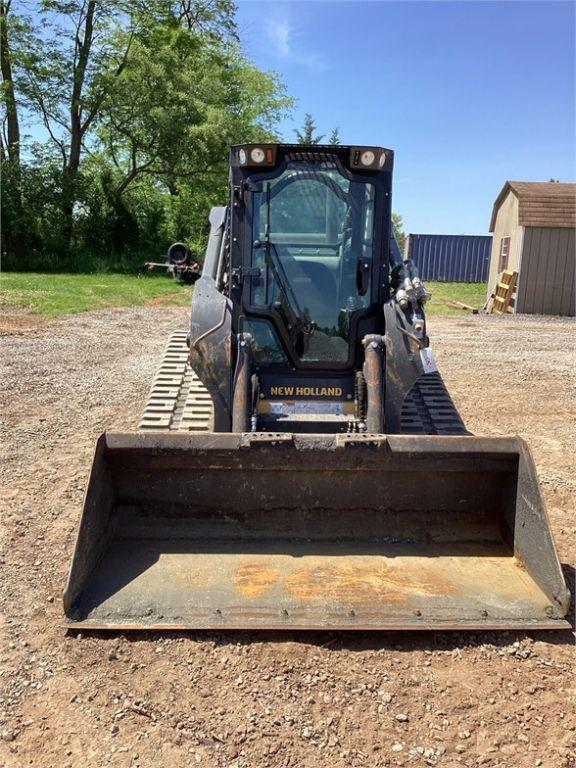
(77, 130)
(13, 231)
(76, 127)
(13, 124)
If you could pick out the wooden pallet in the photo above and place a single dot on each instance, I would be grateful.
(503, 299)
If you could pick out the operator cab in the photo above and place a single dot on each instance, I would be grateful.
(312, 233)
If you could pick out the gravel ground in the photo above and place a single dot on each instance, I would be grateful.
(249, 700)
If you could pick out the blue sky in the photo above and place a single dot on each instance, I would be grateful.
(468, 94)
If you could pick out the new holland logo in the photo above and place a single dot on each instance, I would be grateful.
(306, 391)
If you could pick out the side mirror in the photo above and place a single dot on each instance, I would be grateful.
(363, 267)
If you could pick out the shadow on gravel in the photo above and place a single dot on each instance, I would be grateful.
(360, 641)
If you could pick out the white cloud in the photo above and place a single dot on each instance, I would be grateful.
(280, 35)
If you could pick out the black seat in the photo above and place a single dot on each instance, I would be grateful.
(315, 289)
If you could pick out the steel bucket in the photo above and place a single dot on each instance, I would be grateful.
(285, 531)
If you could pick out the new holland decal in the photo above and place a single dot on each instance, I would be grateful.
(282, 387)
(306, 392)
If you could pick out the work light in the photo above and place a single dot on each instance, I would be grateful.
(367, 158)
(255, 154)
(258, 155)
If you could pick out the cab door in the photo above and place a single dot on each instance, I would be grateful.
(311, 261)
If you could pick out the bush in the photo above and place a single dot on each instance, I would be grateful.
(111, 232)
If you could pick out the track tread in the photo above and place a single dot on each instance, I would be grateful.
(178, 401)
(429, 410)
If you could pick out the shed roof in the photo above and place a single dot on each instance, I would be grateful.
(540, 203)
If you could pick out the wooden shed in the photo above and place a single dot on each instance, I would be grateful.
(534, 225)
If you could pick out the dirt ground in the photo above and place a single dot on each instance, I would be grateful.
(249, 700)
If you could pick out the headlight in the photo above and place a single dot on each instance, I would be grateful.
(258, 155)
(242, 157)
(367, 158)
(382, 160)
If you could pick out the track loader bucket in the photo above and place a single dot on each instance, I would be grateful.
(290, 531)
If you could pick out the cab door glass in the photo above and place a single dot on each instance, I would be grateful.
(313, 236)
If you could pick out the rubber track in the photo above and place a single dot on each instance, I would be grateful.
(178, 401)
(428, 409)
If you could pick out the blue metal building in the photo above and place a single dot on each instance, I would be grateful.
(451, 258)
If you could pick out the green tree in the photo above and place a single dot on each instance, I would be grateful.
(62, 82)
(399, 234)
(68, 70)
(307, 134)
(178, 106)
(139, 100)
(334, 137)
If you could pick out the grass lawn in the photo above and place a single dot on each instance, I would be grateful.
(63, 294)
(473, 294)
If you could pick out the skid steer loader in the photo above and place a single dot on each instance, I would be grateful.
(300, 463)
